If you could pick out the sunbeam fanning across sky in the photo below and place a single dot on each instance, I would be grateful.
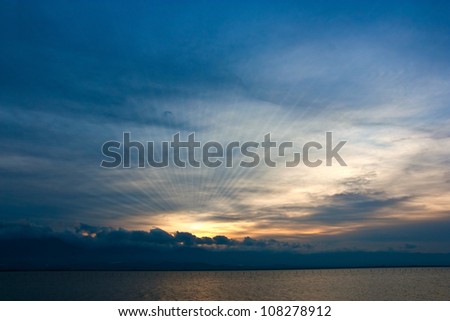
(354, 98)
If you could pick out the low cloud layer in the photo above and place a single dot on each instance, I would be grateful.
(106, 236)
(25, 246)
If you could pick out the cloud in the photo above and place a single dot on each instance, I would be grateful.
(107, 235)
(353, 207)
(24, 246)
(375, 75)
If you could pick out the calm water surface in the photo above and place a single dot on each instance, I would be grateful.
(342, 284)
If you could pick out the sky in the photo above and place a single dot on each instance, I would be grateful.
(75, 75)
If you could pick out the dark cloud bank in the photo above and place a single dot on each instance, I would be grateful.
(30, 247)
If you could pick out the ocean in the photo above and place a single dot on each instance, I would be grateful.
(299, 285)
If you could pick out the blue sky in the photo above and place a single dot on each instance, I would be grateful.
(76, 74)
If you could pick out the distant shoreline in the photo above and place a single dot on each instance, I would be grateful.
(231, 269)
